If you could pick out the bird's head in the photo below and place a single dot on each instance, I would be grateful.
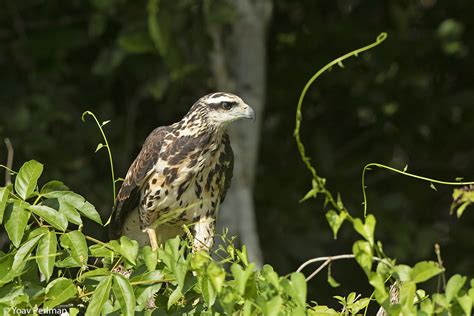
(222, 108)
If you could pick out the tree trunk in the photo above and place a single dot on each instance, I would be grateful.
(238, 62)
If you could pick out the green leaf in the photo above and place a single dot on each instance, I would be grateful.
(465, 302)
(53, 217)
(407, 293)
(425, 270)
(359, 305)
(53, 185)
(335, 220)
(241, 276)
(403, 272)
(216, 276)
(129, 249)
(94, 273)
(299, 284)
(366, 230)
(150, 257)
(332, 282)
(377, 281)
(100, 296)
(23, 252)
(79, 203)
(124, 293)
(27, 178)
(99, 146)
(4, 194)
(59, 291)
(273, 306)
(70, 212)
(208, 292)
(16, 219)
(454, 285)
(144, 292)
(46, 254)
(363, 254)
(75, 242)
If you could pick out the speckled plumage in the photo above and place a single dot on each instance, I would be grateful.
(181, 175)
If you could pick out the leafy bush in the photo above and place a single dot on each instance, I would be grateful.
(51, 263)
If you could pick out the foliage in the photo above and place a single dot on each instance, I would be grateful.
(51, 263)
(71, 269)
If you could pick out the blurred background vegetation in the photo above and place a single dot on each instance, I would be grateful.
(410, 101)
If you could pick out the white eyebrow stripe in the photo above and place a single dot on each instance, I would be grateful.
(222, 99)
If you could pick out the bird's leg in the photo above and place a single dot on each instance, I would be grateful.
(204, 234)
(152, 237)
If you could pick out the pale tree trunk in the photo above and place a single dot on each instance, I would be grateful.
(238, 62)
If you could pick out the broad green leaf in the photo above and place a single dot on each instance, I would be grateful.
(271, 276)
(52, 186)
(403, 272)
(366, 230)
(22, 253)
(359, 305)
(151, 285)
(46, 254)
(67, 262)
(150, 257)
(27, 178)
(241, 276)
(175, 296)
(424, 271)
(4, 193)
(53, 217)
(465, 302)
(129, 249)
(299, 284)
(454, 285)
(335, 220)
(363, 254)
(7, 274)
(377, 281)
(100, 296)
(70, 212)
(16, 219)
(208, 292)
(75, 242)
(59, 291)
(407, 293)
(273, 306)
(123, 291)
(79, 203)
(98, 250)
(322, 310)
(216, 276)
(94, 273)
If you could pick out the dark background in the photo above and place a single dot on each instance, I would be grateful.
(409, 101)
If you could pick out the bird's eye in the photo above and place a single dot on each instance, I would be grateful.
(226, 105)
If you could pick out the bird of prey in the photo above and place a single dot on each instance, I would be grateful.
(181, 176)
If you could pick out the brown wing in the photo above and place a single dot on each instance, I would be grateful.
(228, 167)
(128, 197)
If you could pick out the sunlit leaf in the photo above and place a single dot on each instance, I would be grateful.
(123, 291)
(53, 217)
(27, 178)
(425, 270)
(16, 219)
(59, 291)
(4, 194)
(100, 296)
(75, 242)
(46, 254)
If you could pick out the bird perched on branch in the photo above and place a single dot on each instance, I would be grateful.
(181, 176)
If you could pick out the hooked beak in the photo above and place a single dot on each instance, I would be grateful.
(249, 112)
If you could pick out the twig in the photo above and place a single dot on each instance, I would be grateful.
(328, 260)
(10, 151)
(440, 262)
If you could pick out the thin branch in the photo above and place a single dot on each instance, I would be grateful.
(10, 154)
(440, 262)
(328, 260)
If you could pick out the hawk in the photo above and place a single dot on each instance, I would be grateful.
(181, 176)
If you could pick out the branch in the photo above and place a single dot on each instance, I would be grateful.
(328, 260)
